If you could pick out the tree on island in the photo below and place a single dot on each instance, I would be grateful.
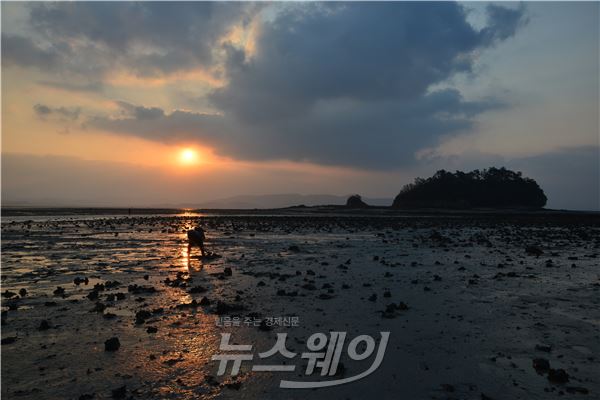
(355, 201)
(492, 187)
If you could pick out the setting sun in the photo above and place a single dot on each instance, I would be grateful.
(188, 157)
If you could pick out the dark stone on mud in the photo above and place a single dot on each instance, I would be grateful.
(372, 297)
(558, 376)
(9, 294)
(23, 292)
(204, 301)
(541, 365)
(8, 340)
(109, 316)
(119, 393)
(141, 316)
(59, 291)
(210, 380)
(44, 326)
(197, 289)
(234, 385)
(137, 289)
(112, 344)
(151, 329)
(93, 295)
(261, 283)
(543, 347)
(387, 294)
(98, 307)
(533, 251)
(146, 277)
(120, 296)
(50, 303)
(78, 281)
(577, 390)
(294, 248)
(99, 287)
(391, 310)
(227, 271)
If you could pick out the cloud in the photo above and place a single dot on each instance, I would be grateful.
(62, 113)
(350, 84)
(73, 86)
(146, 38)
(22, 51)
(343, 84)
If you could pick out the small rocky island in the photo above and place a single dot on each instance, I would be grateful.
(489, 188)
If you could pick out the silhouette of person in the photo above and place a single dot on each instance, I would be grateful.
(196, 238)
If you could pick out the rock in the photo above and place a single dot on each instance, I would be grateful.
(324, 296)
(141, 316)
(78, 281)
(204, 301)
(98, 307)
(93, 295)
(151, 329)
(8, 340)
(44, 326)
(197, 289)
(112, 344)
(294, 248)
(372, 297)
(577, 390)
(50, 303)
(391, 310)
(541, 365)
(227, 271)
(23, 292)
(558, 376)
(120, 392)
(533, 251)
(234, 385)
(544, 348)
(59, 291)
(260, 283)
(387, 294)
(8, 294)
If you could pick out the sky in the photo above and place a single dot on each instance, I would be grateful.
(155, 104)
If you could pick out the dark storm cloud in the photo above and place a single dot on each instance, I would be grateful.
(63, 113)
(149, 38)
(354, 84)
(349, 84)
(22, 51)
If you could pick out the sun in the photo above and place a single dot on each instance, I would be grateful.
(188, 156)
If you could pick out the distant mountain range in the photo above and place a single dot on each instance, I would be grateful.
(285, 200)
(236, 202)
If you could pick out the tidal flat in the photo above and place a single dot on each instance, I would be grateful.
(477, 306)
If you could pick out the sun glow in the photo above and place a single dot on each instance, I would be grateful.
(188, 157)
